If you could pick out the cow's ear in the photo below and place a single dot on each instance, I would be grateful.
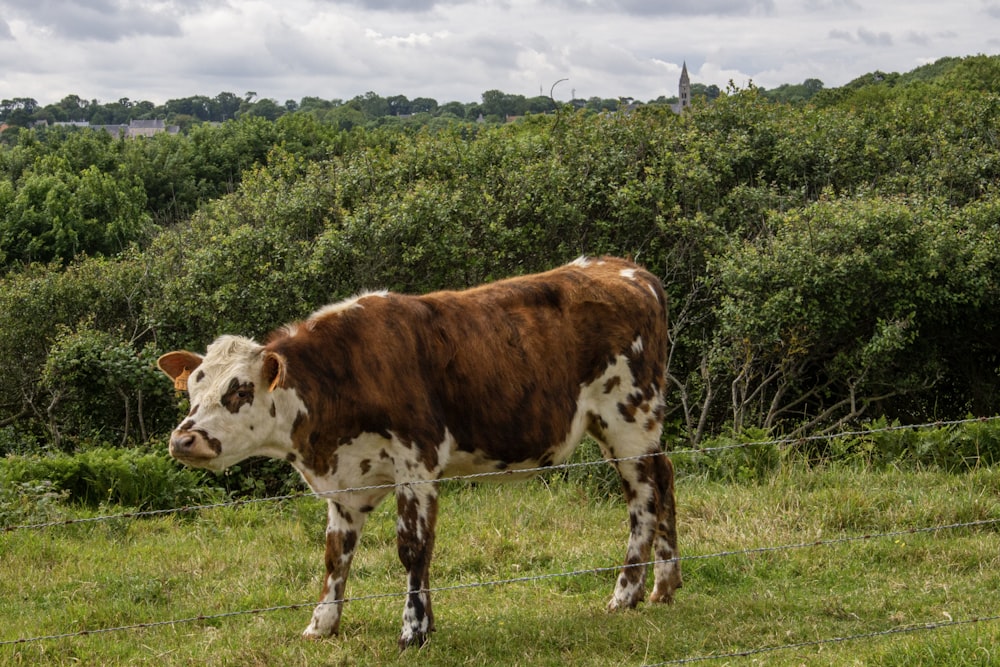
(178, 366)
(274, 370)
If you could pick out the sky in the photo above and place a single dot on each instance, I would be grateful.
(454, 50)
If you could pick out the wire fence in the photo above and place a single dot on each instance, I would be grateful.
(493, 475)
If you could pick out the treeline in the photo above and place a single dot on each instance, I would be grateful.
(826, 263)
(362, 110)
(372, 108)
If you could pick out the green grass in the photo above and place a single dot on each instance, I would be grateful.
(123, 572)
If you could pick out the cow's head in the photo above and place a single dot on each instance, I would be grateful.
(235, 396)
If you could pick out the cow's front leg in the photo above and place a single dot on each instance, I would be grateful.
(343, 530)
(417, 508)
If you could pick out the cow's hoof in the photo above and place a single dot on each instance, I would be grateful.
(312, 633)
(619, 603)
(663, 594)
(667, 597)
(408, 639)
(664, 590)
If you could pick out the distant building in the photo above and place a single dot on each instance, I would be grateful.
(683, 91)
(147, 128)
(135, 128)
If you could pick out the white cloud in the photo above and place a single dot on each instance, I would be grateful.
(456, 49)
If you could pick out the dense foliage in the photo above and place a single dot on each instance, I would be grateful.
(827, 263)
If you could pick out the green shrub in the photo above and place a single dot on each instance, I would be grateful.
(955, 447)
(30, 502)
(747, 457)
(951, 447)
(131, 477)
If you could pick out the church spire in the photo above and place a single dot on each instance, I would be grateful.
(684, 92)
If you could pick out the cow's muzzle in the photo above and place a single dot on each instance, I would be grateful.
(194, 448)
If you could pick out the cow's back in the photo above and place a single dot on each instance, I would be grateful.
(500, 367)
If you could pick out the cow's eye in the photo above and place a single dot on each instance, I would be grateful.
(237, 395)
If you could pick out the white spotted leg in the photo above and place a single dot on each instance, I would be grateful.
(666, 568)
(641, 497)
(343, 530)
(417, 507)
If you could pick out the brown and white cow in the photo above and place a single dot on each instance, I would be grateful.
(386, 389)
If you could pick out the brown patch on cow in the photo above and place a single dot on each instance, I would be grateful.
(200, 376)
(610, 385)
(346, 516)
(340, 545)
(314, 451)
(596, 426)
(634, 403)
(366, 466)
(237, 395)
(187, 426)
(350, 540)
(214, 443)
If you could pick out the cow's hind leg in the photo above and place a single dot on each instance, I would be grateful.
(417, 515)
(666, 568)
(343, 529)
(647, 481)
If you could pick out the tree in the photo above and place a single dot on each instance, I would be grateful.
(18, 111)
(423, 105)
(457, 109)
(494, 103)
(265, 108)
(224, 106)
(398, 105)
(371, 105)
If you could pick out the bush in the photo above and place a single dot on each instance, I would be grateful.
(747, 457)
(30, 502)
(956, 447)
(131, 477)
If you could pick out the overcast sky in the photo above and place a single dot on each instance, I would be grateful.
(455, 49)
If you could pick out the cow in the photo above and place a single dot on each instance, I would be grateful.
(387, 392)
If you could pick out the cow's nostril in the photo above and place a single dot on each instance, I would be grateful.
(181, 443)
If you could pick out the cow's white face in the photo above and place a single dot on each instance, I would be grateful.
(237, 407)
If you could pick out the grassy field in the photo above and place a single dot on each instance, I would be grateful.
(122, 572)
